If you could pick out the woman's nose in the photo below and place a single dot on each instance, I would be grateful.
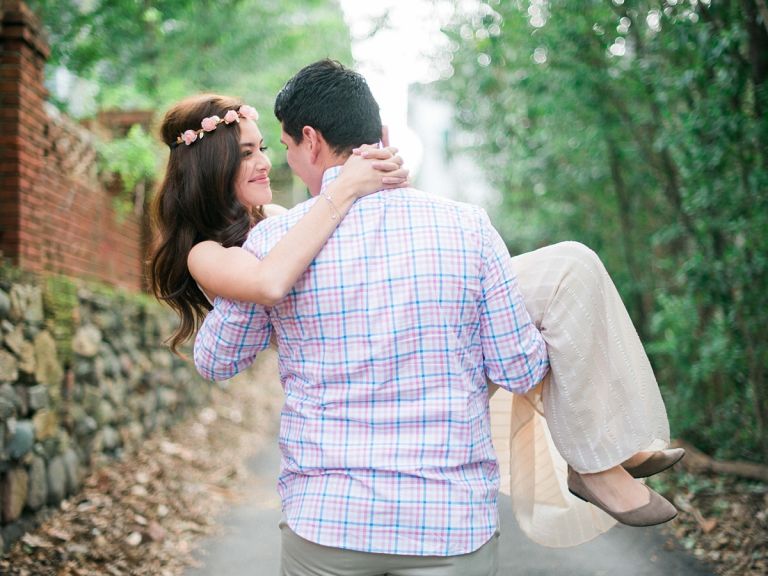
(263, 161)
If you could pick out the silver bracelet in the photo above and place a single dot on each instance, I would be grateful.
(336, 215)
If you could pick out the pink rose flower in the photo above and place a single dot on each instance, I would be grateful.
(231, 116)
(189, 136)
(209, 124)
(248, 112)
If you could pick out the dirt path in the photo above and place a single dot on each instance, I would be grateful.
(201, 501)
(250, 538)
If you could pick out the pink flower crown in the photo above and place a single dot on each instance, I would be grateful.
(210, 124)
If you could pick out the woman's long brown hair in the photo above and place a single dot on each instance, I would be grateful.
(195, 202)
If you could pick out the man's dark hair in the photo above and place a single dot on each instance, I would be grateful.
(335, 101)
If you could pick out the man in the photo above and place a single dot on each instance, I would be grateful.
(385, 345)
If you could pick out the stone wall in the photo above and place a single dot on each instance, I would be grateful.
(84, 376)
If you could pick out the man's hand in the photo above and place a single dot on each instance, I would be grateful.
(385, 161)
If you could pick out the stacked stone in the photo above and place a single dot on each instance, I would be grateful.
(61, 414)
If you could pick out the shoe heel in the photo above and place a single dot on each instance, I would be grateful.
(658, 462)
(579, 497)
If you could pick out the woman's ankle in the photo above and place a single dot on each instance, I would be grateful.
(616, 488)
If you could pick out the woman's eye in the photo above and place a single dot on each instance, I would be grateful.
(264, 148)
(246, 153)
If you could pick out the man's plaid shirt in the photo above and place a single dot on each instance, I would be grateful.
(384, 348)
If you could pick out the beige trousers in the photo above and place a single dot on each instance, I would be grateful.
(301, 557)
(599, 405)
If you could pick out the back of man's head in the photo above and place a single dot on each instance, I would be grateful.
(335, 101)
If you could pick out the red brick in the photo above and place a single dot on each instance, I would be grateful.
(51, 219)
(9, 86)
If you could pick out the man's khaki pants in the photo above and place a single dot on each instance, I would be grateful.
(301, 557)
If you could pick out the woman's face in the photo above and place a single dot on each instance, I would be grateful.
(252, 185)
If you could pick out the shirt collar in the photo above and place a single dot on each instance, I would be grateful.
(329, 176)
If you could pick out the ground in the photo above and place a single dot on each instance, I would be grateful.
(143, 515)
(723, 520)
(146, 514)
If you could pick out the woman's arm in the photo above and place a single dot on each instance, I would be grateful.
(237, 275)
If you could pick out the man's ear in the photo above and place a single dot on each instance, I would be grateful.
(314, 140)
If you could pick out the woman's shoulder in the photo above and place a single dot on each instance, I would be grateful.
(271, 210)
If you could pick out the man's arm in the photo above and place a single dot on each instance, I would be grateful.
(230, 337)
(514, 352)
(232, 333)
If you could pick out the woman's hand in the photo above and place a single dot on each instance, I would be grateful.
(370, 169)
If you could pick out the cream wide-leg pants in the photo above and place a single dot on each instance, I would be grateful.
(599, 405)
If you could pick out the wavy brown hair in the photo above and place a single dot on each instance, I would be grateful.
(195, 202)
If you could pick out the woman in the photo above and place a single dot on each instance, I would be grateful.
(595, 372)
(217, 187)
(597, 421)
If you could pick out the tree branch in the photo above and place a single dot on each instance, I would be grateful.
(696, 461)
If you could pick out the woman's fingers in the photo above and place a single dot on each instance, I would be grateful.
(389, 182)
(375, 153)
(388, 165)
(396, 178)
(383, 161)
(401, 173)
(364, 149)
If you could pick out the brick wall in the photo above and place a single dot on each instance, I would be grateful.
(55, 214)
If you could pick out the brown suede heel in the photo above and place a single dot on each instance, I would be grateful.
(657, 462)
(657, 511)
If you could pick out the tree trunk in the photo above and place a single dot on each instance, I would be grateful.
(756, 359)
(758, 60)
(758, 51)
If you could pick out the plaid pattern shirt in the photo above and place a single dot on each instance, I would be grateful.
(384, 347)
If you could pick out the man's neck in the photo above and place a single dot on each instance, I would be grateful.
(329, 176)
(335, 160)
(331, 161)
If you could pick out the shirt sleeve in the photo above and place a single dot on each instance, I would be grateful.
(231, 335)
(514, 351)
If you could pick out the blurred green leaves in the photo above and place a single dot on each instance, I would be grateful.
(641, 129)
(146, 54)
(135, 159)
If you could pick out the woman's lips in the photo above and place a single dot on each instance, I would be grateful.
(260, 180)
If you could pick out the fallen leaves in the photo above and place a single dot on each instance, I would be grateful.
(35, 541)
(134, 539)
(143, 515)
(706, 524)
(61, 535)
(722, 521)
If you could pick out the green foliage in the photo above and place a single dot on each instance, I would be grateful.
(157, 51)
(149, 54)
(10, 274)
(61, 304)
(640, 128)
(134, 158)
